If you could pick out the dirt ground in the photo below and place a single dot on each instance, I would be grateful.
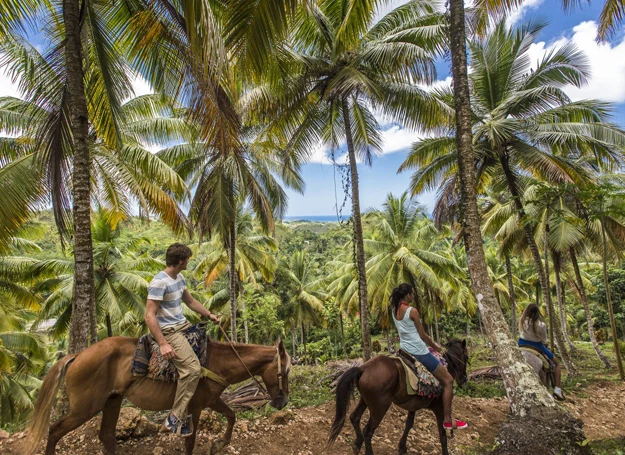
(304, 431)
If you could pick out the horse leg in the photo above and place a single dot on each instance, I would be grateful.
(402, 442)
(110, 415)
(355, 417)
(377, 410)
(222, 408)
(438, 411)
(189, 442)
(75, 418)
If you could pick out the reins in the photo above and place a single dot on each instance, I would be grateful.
(260, 386)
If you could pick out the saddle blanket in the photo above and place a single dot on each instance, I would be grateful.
(548, 365)
(149, 362)
(419, 381)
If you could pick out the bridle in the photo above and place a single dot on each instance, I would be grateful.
(456, 359)
(260, 386)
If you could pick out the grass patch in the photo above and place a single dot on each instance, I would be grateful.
(609, 447)
(481, 388)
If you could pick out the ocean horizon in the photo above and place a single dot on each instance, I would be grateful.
(317, 218)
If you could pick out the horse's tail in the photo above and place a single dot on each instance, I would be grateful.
(344, 391)
(45, 401)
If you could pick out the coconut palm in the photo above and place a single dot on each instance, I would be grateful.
(305, 297)
(122, 273)
(247, 253)
(337, 66)
(403, 249)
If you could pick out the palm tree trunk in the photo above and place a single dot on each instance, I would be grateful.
(387, 334)
(584, 298)
(512, 297)
(304, 342)
(109, 326)
(543, 273)
(342, 334)
(83, 300)
(608, 295)
(293, 342)
(557, 267)
(524, 390)
(358, 240)
(554, 327)
(438, 337)
(247, 333)
(233, 282)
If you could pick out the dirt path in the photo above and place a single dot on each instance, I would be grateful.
(304, 431)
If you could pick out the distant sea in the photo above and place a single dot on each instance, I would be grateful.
(318, 218)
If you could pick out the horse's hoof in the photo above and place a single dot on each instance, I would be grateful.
(217, 447)
(355, 448)
(402, 451)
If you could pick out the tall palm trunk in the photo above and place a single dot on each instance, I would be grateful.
(304, 342)
(554, 327)
(524, 390)
(584, 298)
(83, 300)
(608, 296)
(557, 267)
(438, 337)
(512, 297)
(343, 334)
(233, 281)
(109, 326)
(543, 273)
(358, 240)
(294, 342)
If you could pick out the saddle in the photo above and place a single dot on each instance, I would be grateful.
(419, 381)
(548, 364)
(148, 361)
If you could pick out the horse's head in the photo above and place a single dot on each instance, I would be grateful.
(276, 377)
(457, 358)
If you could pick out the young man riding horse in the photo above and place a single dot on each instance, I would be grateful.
(413, 339)
(167, 324)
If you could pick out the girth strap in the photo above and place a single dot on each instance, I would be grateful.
(208, 374)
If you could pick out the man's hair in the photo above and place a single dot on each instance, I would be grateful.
(177, 253)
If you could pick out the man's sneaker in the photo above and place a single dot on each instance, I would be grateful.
(176, 426)
(460, 425)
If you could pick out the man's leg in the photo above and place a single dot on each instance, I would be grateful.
(189, 371)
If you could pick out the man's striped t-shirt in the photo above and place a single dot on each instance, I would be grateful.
(169, 292)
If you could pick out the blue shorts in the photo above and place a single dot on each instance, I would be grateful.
(428, 360)
(538, 345)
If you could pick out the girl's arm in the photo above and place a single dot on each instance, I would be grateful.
(414, 315)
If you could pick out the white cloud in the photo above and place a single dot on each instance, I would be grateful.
(606, 62)
(7, 87)
(517, 14)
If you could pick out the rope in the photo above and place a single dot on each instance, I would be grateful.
(260, 386)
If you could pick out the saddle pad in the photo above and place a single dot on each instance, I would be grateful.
(545, 360)
(149, 361)
(419, 381)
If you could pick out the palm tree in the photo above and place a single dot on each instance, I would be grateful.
(403, 249)
(336, 67)
(305, 297)
(121, 276)
(247, 254)
(523, 389)
(604, 212)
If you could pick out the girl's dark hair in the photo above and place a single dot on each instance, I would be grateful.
(399, 293)
(531, 312)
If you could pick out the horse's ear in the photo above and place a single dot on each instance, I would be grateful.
(280, 346)
(464, 343)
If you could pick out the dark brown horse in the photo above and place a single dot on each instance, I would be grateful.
(381, 382)
(99, 378)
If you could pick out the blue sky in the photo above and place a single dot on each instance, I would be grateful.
(607, 62)
(607, 82)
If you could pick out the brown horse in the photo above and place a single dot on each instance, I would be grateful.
(99, 378)
(381, 382)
